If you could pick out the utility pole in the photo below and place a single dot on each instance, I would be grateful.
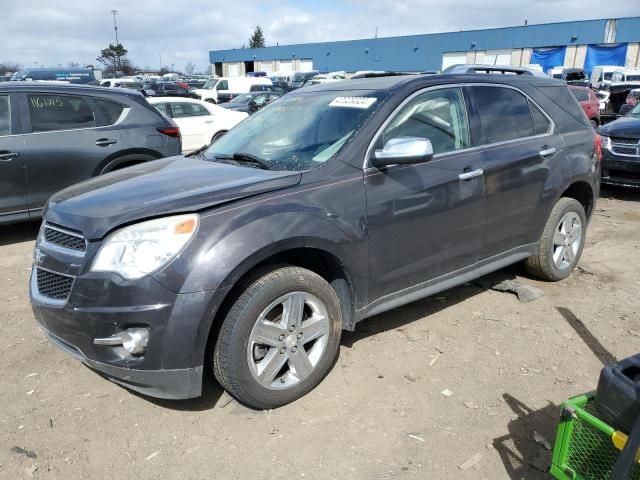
(115, 28)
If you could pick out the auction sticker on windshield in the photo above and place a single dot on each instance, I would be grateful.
(353, 102)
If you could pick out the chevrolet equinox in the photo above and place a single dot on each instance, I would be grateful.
(332, 204)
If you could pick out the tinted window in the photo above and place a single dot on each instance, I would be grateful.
(169, 86)
(438, 115)
(562, 98)
(111, 110)
(541, 123)
(581, 95)
(608, 75)
(59, 112)
(162, 108)
(188, 110)
(504, 114)
(222, 85)
(576, 76)
(5, 115)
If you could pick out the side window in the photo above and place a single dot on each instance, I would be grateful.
(260, 99)
(188, 110)
(222, 85)
(541, 123)
(59, 112)
(200, 110)
(162, 108)
(438, 115)
(5, 115)
(169, 86)
(111, 110)
(504, 114)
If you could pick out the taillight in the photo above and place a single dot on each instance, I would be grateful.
(170, 131)
(597, 146)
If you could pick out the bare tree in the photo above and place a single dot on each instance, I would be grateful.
(9, 67)
(189, 68)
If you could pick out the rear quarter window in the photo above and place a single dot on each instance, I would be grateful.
(111, 110)
(581, 95)
(561, 96)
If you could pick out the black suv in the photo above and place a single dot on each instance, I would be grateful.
(52, 136)
(335, 203)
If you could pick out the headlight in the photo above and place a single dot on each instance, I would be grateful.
(140, 249)
(607, 143)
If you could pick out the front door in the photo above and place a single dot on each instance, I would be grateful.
(425, 220)
(13, 174)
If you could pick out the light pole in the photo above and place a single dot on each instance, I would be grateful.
(115, 28)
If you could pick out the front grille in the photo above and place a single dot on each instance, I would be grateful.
(64, 240)
(624, 150)
(53, 285)
(624, 140)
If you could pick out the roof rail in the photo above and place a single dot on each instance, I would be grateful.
(500, 69)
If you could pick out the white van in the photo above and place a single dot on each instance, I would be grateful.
(227, 88)
(626, 75)
(602, 74)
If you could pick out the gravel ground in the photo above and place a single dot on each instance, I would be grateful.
(453, 386)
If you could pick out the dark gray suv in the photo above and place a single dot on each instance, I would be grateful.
(52, 136)
(335, 203)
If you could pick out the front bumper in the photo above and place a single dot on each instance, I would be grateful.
(620, 170)
(101, 306)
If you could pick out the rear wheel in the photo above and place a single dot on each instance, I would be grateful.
(561, 243)
(279, 338)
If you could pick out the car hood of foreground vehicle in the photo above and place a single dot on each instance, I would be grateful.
(626, 126)
(161, 187)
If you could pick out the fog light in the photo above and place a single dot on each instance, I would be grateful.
(133, 340)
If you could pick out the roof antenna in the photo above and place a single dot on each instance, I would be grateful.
(526, 22)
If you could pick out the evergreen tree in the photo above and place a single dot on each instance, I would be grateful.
(257, 39)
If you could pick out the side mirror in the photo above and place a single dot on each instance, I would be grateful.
(403, 151)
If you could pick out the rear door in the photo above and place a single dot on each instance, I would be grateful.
(13, 174)
(66, 141)
(517, 143)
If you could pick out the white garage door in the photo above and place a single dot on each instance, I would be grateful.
(453, 58)
(285, 66)
(233, 70)
(497, 57)
(306, 65)
(265, 67)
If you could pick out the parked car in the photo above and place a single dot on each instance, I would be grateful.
(621, 152)
(589, 102)
(52, 136)
(226, 88)
(298, 79)
(70, 75)
(169, 89)
(196, 83)
(256, 74)
(250, 102)
(573, 76)
(200, 122)
(602, 74)
(335, 203)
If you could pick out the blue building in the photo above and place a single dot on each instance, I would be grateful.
(570, 44)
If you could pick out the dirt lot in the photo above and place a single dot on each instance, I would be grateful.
(379, 414)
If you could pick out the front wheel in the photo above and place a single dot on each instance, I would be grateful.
(561, 243)
(279, 339)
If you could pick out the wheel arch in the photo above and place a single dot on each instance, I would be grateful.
(118, 159)
(581, 191)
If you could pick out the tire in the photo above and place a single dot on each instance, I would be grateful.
(296, 357)
(551, 262)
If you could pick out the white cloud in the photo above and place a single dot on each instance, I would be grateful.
(53, 32)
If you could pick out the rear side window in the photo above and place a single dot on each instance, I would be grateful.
(541, 123)
(111, 110)
(59, 112)
(504, 114)
(581, 95)
(438, 115)
(5, 115)
(188, 110)
(560, 96)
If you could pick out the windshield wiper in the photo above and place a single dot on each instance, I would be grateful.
(247, 158)
(198, 152)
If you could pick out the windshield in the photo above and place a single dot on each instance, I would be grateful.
(299, 131)
(210, 84)
(245, 98)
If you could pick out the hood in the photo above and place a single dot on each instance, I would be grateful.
(622, 127)
(161, 187)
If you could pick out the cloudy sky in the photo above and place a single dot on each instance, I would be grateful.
(52, 32)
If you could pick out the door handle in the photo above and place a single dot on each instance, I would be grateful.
(472, 174)
(8, 156)
(105, 142)
(548, 152)
(208, 121)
